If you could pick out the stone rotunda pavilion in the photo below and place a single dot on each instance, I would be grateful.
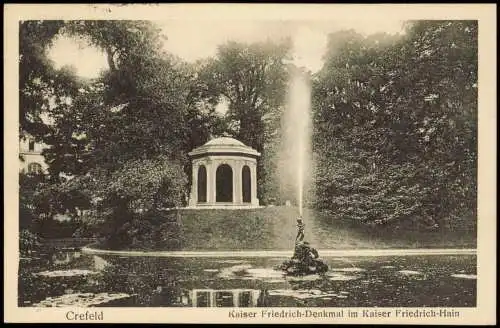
(224, 175)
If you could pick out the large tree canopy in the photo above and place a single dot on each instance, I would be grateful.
(396, 123)
(136, 121)
(252, 79)
(41, 86)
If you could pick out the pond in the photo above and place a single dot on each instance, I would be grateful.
(71, 278)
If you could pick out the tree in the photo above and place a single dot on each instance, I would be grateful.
(28, 186)
(403, 108)
(123, 41)
(252, 78)
(117, 144)
(41, 86)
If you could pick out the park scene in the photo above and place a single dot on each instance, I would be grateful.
(292, 164)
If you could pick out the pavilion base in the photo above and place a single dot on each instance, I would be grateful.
(223, 206)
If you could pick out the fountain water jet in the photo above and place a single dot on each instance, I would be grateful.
(297, 136)
(297, 168)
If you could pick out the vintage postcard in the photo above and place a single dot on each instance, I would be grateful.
(257, 163)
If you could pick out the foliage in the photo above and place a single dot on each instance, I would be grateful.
(402, 115)
(39, 82)
(145, 185)
(395, 123)
(123, 41)
(252, 79)
(109, 200)
(28, 186)
(136, 109)
(155, 230)
(118, 143)
(28, 241)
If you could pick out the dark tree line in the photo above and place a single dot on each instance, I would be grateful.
(396, 124)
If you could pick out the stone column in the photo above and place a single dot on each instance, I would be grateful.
(236, 299)
(208, 167)
(255, 297)
(211, 183)
(193, 199)
(237, 182)
(194, 299)
(213, 296)
(253, 174)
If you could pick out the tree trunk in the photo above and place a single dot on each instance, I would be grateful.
(109, 56)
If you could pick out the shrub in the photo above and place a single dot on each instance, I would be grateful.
(28, 242)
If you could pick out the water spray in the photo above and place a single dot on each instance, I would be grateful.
(295, 174)
(297, 127)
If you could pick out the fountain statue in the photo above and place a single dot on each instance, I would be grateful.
(305, 259)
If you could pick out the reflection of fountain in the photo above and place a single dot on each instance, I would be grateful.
(222, 298)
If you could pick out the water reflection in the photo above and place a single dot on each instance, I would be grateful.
(61, 278)
(64, 257)
(222, 298)
(208, 297)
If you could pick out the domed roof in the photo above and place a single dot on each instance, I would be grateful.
(224, 141)
(224, 146)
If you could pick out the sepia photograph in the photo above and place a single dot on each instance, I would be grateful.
(276, 168)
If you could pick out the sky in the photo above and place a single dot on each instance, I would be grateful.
(192, 40)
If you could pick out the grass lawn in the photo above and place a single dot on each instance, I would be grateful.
(274, 228)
